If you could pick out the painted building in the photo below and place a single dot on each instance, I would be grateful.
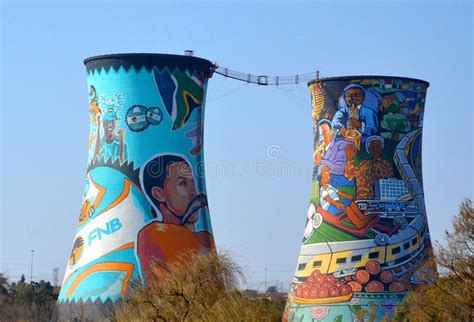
(366, 240)
(145, 200)
(390, 189)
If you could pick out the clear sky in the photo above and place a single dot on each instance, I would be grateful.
(257, 214)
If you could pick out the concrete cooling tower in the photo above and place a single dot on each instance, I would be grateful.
(366, 242)
(145, 198)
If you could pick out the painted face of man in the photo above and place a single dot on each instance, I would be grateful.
(178, 190)
(375, 149)
(325, 175)
(324, 134)
(354, 96)
(109, 127)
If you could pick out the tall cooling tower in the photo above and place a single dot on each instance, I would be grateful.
(145, 195)
(366, 240)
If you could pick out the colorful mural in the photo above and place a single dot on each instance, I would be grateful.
(145, 197)
(366, 240)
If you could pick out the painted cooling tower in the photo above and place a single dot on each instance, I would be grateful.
(366, 240)
(145, 195)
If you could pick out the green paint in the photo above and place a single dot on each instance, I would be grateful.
(189, 95)
(328, 233)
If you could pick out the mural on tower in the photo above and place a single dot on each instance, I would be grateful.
(366, 239)
(145, 196)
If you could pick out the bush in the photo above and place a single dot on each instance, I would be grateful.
(451, 298)
(26, 302)
(196, 288)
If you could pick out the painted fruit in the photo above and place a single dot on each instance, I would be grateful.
(334, 291)
(319, 278)
(327, 285)
(310, 279)
(316, 272)
(348, 278)
(386, 276)
(306, 293)
(362, 276)
(313, 292)
(356, 287)
(330, 279)
(374, 287)
(373, 267)
(396, 287)
(323, 292)
(299, 292)
(346, 290)
(338, 284)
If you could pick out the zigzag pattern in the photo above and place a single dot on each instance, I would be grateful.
(87, 311)
(127, 168)
(105, 63)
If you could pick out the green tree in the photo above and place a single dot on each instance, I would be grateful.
(3, 289)
(451, 297)
(26, 302)
(395, 123)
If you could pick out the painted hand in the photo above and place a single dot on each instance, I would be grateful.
(351, 151)
(355, 124)
(343, 132)
(121, 134)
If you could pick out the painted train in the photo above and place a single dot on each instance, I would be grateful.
(343, 258)
(388, 209)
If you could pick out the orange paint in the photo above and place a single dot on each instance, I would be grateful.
(161, 244)
(100, 195)
(101, 267)
(125, 192)
(124, 246)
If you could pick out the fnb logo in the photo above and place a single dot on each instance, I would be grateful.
(111, 227)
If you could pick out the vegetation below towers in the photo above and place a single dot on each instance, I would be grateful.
(192, 289)
(198, 288)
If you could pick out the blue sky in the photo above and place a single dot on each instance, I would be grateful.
(257, 215)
